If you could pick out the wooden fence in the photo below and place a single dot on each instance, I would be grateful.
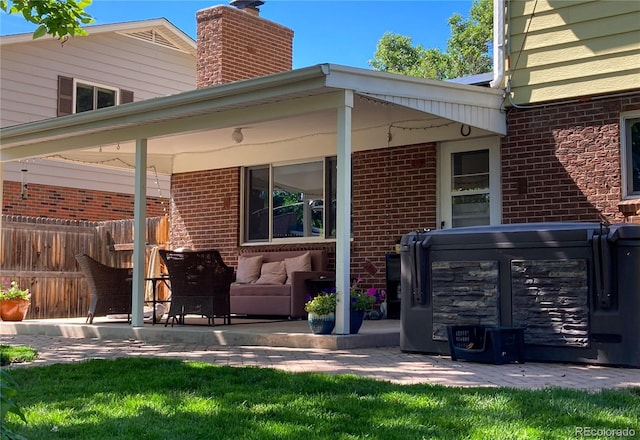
(39, 254)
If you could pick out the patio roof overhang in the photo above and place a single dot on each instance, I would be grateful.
(311, 112)
(279, 114)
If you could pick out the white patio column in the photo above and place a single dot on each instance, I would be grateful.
(343, 214)
(139, 234)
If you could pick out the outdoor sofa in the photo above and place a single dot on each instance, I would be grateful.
(274, 283)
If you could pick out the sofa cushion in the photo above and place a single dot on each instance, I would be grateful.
(259, 292)
(301, 263)
(248, 269)
(319, 259)
(272, 273)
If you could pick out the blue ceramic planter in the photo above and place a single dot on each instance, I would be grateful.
(322, 324)
(355, 321)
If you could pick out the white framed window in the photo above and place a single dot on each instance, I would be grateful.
(630, 153)
(90, 96)
(469, 183)
(289, 202)
(78, 95)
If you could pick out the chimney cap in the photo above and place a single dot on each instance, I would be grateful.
(250, 4)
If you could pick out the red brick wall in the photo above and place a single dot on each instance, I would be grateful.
(205, 211)
(74, 204)
(234, 44)
(562, 162)
(394, 192)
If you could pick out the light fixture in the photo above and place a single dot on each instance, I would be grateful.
(23, 187)
(237, 135)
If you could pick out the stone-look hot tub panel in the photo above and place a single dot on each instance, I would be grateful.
(549, 298)
(464, 292)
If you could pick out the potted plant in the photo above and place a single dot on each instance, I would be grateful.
(322, 312)
(379, 310)
(14, 301)
(362, 301)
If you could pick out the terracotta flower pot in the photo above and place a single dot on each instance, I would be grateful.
(14, 309)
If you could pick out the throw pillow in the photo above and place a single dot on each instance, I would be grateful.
(248, 269)
(301, 263)
(272, 273)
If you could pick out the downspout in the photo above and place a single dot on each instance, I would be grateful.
(498, 44)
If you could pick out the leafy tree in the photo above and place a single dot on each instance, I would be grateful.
(467, 49)
(470, 41)
(395, 53)
(59, 18)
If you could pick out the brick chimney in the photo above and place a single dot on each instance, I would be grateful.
(236, 43)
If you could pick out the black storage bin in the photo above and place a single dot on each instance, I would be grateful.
(480, 343)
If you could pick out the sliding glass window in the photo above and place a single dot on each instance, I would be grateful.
(286, 202)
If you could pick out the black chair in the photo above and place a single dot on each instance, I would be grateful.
(200, 283)
(110, 287)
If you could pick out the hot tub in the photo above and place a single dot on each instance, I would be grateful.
(573, 287)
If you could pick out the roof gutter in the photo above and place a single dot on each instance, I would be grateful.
(498, 44)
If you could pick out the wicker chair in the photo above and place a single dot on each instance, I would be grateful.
(200, 283)
(110, 287)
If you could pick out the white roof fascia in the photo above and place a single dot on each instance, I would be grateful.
(268, 97)
(186, 41)
(476, 106)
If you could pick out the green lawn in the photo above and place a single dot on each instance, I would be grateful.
(10, 354)
(143, 398)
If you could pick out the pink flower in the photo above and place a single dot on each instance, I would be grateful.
(371, 291)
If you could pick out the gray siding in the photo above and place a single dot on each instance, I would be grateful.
(29, 71)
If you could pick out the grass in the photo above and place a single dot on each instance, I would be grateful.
(14, 354)
(143, 398)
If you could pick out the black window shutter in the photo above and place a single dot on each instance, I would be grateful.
(126, 96)
(65, 95)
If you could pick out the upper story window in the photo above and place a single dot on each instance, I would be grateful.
(77, 95)
(290, 201)
(630, 154)
(92, 97)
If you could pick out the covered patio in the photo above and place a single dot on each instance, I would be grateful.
(291, 116)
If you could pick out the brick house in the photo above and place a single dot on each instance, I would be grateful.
(572, 152)
(113, 65)
(263, 157)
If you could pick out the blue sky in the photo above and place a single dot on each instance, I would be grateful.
(325, 31)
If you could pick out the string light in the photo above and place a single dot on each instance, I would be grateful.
(107, 161)
(424, 128)
(374, 101)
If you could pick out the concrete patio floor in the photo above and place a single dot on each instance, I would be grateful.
(289, 346)
(242, 331)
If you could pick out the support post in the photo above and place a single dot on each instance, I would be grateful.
(139, 234)
(343, 214)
